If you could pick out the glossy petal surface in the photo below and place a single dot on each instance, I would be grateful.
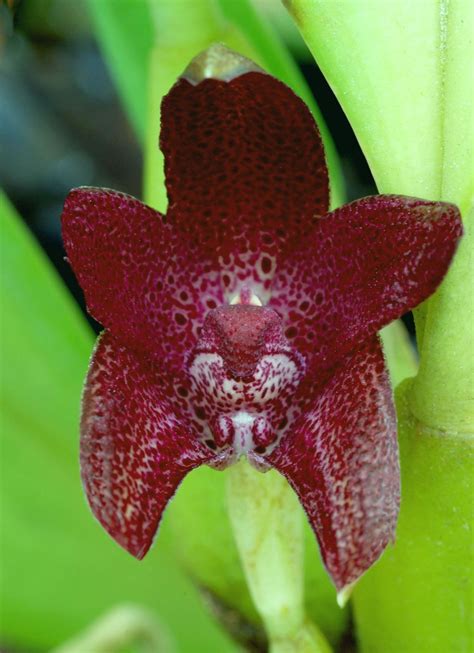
(245, 172)
(364, 265)
(342, 461)
(135, 446)
(141, 279)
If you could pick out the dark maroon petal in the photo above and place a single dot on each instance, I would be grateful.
(364, 266)
(140, 279)
(245, 169)
(342, 461)
(135, 446)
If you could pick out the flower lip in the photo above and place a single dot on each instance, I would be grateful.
(241, 334)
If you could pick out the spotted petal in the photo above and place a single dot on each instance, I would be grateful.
(364, 265)
(244, 163)
(342, 461)
(141, 280)
(135, 445)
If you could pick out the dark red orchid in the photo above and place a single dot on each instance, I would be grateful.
(245, 320)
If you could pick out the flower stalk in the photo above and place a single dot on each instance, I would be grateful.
(268, 529)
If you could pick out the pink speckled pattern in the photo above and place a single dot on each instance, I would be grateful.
(184, 377)
(342, 461)
(136, 445)
(363, 266)
(141, 279)
(245, 173)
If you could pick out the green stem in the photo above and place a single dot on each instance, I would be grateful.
(268, 530)
(418, 597)
(442, 393)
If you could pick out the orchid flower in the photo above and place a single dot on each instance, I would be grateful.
(244, 322)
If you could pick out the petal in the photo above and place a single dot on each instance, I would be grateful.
(135, 445)
(245, 168)
(363, 266)
(342, 461)
(140, 279)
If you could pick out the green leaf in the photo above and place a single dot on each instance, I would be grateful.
(124, 31)
(63, 570)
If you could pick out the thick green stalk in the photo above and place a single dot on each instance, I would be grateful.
(442, 395)
(403, 75)
(418, 598)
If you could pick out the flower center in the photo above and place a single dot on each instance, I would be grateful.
(244, 374)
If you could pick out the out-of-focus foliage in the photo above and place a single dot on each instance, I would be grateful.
(126, 38)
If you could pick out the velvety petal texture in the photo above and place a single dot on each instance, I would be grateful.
(141, 279)
(182, 378)
(342, 461)
(135, 446)
(363, 266)
(245, 172)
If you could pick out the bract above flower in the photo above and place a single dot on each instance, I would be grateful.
(244, 321)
